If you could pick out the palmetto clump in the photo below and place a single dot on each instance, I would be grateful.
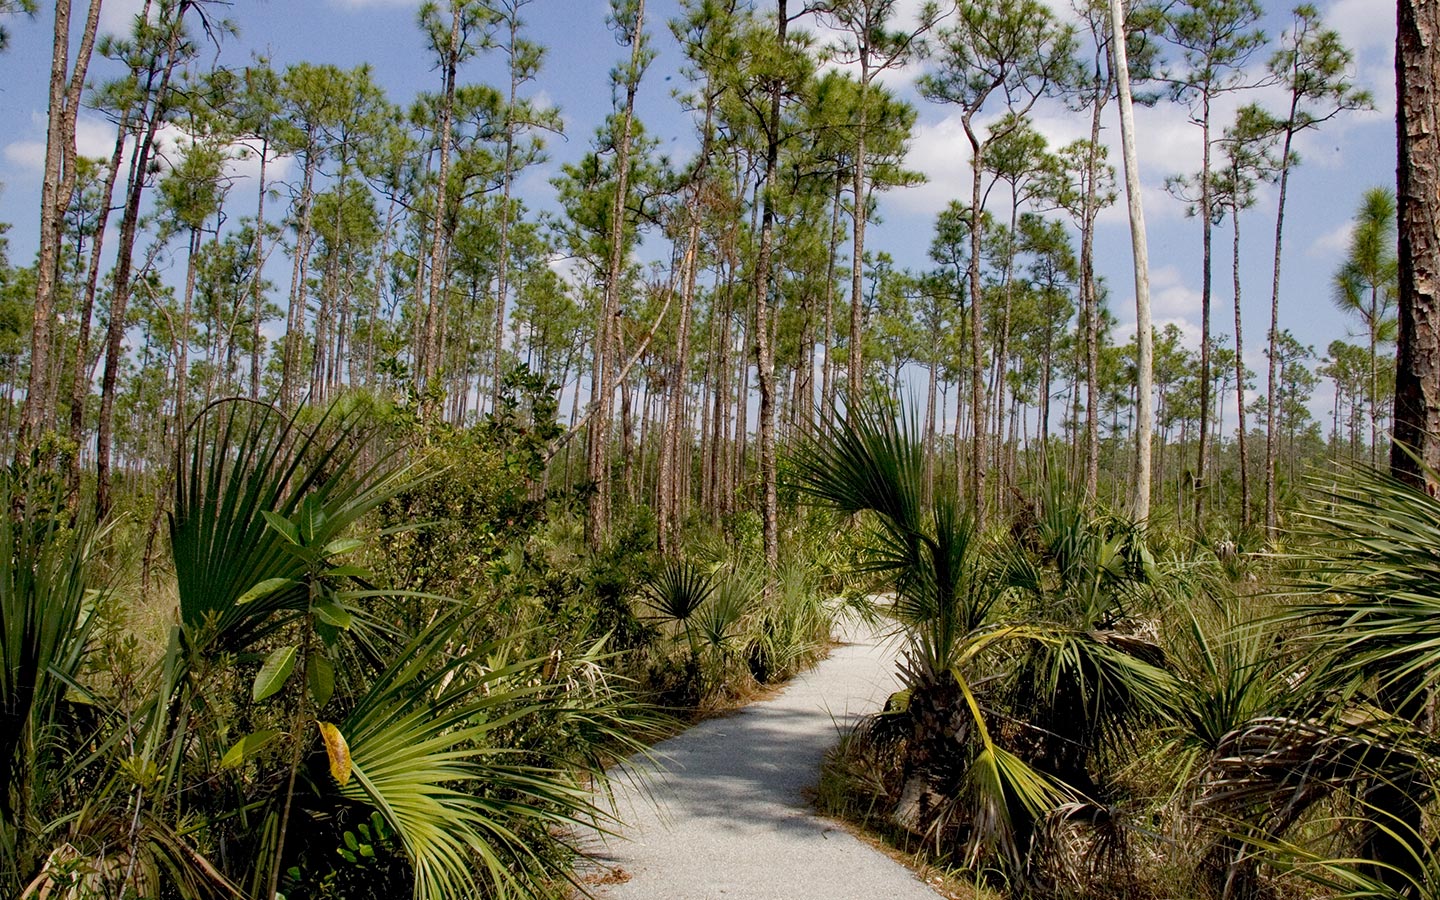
(1021, 662)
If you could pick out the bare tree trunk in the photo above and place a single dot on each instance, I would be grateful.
(597, 519)
(294, 341)
(1417, 377)
(675, 413)
(855, 388)
(764, 347)
(257, 294)
(1139, 249)
(182, 356)
(1206, 236)
(827, 376)
(120, 292)
(56, 192)
(81, 371)
(434, 305)
(1090, 295)
(977, 364)
(1240, 377)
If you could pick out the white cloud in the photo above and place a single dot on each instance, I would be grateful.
(940, 151)
(28, 155)
(94, 138)
(1365, 24)
(118, 16)
(1333, 243)
(1171, 296)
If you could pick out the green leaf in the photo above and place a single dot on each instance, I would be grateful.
(332, 613)
(342, 546)
(264, 589)
(274, 673)
(320, 673)
(283, 526)
(312, 518)
(247, 747)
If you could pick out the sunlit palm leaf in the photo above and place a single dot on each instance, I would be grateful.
(457, 802)
(246, 460)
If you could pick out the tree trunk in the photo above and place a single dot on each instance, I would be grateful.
(429, 349)
(294, 341)
(56, 191)
(182, 356)
(855, 387)
(1417, 377)
(675, 413)
(150, 120)
(1240, 374)
(1206, 235)
(1140, 251)
(764, 347)
(977, 362)
(81, 371)
(827, 375)
(257, 294)
(597, 519)
(1272, 386)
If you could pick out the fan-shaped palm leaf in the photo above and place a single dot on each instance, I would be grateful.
(247, 460)
(423, 748)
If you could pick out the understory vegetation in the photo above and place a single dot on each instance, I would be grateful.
(361, 666)
(1096, 709)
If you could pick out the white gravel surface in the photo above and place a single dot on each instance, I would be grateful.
(727, 817)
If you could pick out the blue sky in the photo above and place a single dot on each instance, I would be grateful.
(1339, 162)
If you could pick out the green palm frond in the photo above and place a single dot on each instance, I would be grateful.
(247, 460)
(425, 748)
(679, 590)
(1375, 577)
(48, 600)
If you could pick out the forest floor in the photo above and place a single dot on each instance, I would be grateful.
(721, 811)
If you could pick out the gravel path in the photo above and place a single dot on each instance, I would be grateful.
(727, 818)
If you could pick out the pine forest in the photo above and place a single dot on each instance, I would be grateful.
(395, 444)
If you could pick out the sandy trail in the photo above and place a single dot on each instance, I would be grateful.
(728, 818)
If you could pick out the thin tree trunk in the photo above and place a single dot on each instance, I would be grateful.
(1272, 521)
(855, 387)
(827, 375)
(81, 372)
(977, 367)
(764, 348)
(1240, 376)
(120, 290)
(1206, 240)
(597, 520)
(434, 306)
(257, 294)
(57, 190)
(1140, 252)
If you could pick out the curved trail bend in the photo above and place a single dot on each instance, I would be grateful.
(726, 816)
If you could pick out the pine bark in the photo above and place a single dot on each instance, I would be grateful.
(56, 192)
(1415, 453)
(597, 519)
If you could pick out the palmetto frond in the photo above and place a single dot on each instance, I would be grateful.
(247, 460)
(1376, 612)
(47, 610)
(424, 746)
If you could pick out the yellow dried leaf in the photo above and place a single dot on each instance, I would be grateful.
(338, 751)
